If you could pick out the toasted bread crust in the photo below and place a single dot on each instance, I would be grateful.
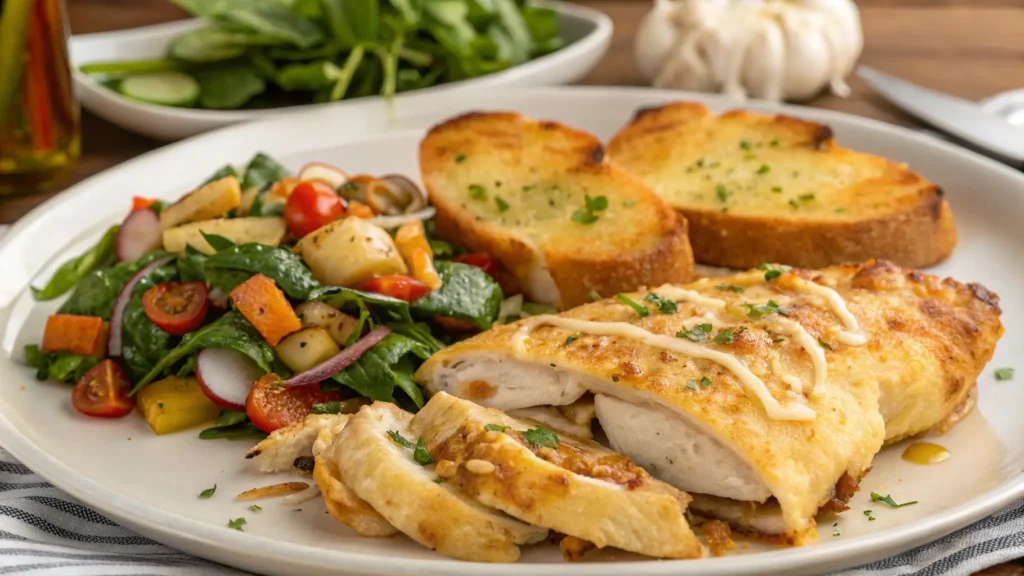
(894, 213)
(608, 256)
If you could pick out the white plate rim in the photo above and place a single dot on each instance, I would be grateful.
(847, 553)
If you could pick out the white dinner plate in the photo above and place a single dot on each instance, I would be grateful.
(587, 34)
(151, 483)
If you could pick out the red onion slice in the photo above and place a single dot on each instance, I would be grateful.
(339, 361)
(114, 342)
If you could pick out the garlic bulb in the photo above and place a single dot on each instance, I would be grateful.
(770, 49)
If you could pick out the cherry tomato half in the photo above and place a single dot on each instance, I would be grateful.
(505, 278)
(103, 392)
(176, 307)
(401, 287)
(481, 260)
(141, 203)
(311, 205)
(271, 406)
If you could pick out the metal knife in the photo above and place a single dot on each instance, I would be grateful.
(961, 118)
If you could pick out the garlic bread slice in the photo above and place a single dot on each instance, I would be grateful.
(574, 487)
(540, 197)
(375, 460)
(757, 188)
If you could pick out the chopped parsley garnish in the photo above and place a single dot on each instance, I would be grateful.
(725, 336)
(594, 296)
(806, 197)
(839, 210)
(722, 192)
(209, 492)
(870, 517)
(705, 381)
(774, 143)
(746, 145)
(237, 523)
(496, 427)
(438, 480)
(824, 344)
(691, 384)
(776, 189)
(730, 288)
(1004, 374)
(793, 204)
(778, 339)
(593, 205)
(756, 311)
(639, 308)
(419, 449)
(629, 203)
(583, 217)
(764, 169)
(460, 157)
(749, 156)
(772, 271)
(699, 163)
(255, 508)
(698, 333)
(664, 305)
(571, 338)
(477, 192)
(876, 497)
(541, 436)
(502, 204)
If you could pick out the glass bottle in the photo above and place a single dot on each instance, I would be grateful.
(40, 134)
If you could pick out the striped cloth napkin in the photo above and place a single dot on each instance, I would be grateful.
(44, 532)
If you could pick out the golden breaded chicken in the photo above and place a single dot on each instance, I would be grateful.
(575, 487)
(764, 385)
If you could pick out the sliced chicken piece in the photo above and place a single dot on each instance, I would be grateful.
(553, 418)
(279, 451)
(581, 412)
(373, 461)
(572, 486)
(752, 387)
(343, 503)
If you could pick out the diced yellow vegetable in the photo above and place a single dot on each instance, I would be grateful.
(174, 404)
(248, 199)
(211, 200)
(412, 243)
(349, 251)
(338, 324)
(268, 231)
(306, 348)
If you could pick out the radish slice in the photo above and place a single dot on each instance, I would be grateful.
(339, 361)
(226, 376)
(330, 175)
(114, 342)
(139, 235)
(218, 298)
(390, 222)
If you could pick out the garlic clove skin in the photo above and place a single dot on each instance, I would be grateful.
(655, 39)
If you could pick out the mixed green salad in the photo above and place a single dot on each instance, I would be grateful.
(261, 297)
(269, 53)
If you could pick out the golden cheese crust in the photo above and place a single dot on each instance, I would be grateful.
(759, 188)
(928, 339)
(509, 186)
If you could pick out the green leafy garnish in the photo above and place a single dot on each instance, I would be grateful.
(725, 336)
(793, 204)
(502, 204)
(757, 311)
(745, 145)
(232, 425)
(71, 272)
(594, 295)
(698, 333)
(868, 514)
(639, 308)
(665, 306)
(571, 338)
(419, 449)
(460, 157)
(805, 197)
(722, 192)
(1004, 374)
(764, 169)
(397, 438)
(60, 366)
(824, 344)
(237, 523)
(349, 406)
(875, 497)
(209, 492)
(541, 436)
(730, 288)
(496, 427)
(705, 381)
(438, 480)
(256, 508)
(773, 271)
(776, 189)
(588, 214)
(477, 192)
(778, 339)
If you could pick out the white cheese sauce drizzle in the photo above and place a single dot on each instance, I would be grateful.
(852, 336)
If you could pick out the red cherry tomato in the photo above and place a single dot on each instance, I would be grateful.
(103, 392)
(506, 279)
(401, 287)
(176, 307)
(455, 324)
(271, 406)
(311, 205)
(481, 260)
(141, 203)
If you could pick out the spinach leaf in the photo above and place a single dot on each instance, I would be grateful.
(190, 266)
(466, 293)
(217, 242)
(229, 331)
(229, 87)
(387, 365)
(259, 208)
(60, 366)
(71, 272)
(233, 426)
(143, 343)
(223, 172)
(272, 19)
(308, 76)
(352, 21)
(209, 44)
(96, 293)
(226, 280)
(543, 25)
(262, 171)
(369, 306)
(279, 264)
(521, 42)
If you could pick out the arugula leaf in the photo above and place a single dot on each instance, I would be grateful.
(384, 367)
(96, 293)
(541, 436)
(71, 272)
(61, 366)
(466, 293)
(271, 19)
(229, 331)
(543, 26)
(308, 76)
(262, 171)
(279, 264)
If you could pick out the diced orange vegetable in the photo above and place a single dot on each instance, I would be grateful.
(266, 308)
(360, 210)
(412, 244)
(282, 189)
(141, 203)
(85, 335)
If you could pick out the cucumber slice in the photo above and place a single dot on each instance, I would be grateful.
(164, 88)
